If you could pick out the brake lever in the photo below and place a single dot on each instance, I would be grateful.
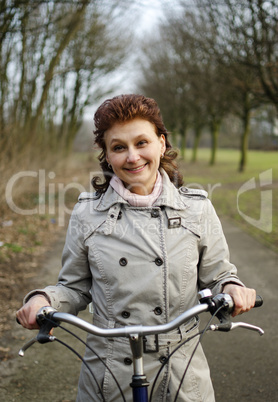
(233, 325)
(39, 338)
(225, 318)
(27, 346)
(224, 315)
(43, 335)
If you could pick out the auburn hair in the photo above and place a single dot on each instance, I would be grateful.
(124, 108)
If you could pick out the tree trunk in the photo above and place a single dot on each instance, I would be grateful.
(19, 101)
(73, 114)
(174, 141)
(71, 30)
(183, 142)
(214, 140)
(245, 135)
(197, 138)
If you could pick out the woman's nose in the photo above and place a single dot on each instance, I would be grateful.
(133, 156)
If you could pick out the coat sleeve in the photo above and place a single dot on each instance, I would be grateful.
(72, 292)
(215, 268)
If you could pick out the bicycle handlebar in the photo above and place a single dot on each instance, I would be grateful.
(259, 301)
(221, 305)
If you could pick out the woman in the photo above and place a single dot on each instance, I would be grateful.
(139, 249)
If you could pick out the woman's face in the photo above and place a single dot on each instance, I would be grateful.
(133, 149)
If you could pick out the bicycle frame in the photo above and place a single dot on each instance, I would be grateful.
(221, 306)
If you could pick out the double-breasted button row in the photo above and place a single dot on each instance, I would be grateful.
(128, 361)
(123, 261)
(157, 311)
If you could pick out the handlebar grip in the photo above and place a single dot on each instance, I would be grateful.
(259, 301)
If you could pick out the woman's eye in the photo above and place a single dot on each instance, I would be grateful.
(117, 148)
(142, 142)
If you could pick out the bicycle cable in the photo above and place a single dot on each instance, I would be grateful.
(84, 361)
(86, 364)
(167, 360)
(201, 333)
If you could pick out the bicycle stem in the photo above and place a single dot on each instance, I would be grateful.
(139, 382)
(136, 345)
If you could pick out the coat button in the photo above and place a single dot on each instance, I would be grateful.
(162, 359)
(127, 361)
(125, 314)
(155, 213)
(123, 262)
(158, 261)
(158, 311)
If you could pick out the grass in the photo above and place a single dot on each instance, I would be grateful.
(249, 198)
(15, 248)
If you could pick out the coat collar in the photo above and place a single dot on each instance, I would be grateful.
(170, 197)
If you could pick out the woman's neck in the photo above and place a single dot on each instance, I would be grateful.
(134, 198)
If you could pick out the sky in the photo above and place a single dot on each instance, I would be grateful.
(145, 15)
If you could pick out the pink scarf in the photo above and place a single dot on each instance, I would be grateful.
(137, 200)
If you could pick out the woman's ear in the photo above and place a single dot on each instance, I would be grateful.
(109, 166)
(163, 143)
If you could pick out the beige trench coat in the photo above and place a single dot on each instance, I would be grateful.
(142, 265)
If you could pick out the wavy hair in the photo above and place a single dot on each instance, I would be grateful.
(124, 108)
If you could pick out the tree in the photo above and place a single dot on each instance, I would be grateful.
(258, 27)
(221, 31)
(52, 58)
(200, 93)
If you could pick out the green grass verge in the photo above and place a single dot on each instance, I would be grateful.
(249, 198)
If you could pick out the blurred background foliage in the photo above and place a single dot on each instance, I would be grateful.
(212, 66)
(53, 55)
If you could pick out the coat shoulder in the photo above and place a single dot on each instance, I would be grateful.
(193, 193)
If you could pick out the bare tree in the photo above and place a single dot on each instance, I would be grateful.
(223, 32)
(200, 92)
(52, 57)
(258, 26)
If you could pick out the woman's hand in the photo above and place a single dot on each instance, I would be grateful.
(28, 313)
(244, 298)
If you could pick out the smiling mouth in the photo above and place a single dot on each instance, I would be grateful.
(137, 169)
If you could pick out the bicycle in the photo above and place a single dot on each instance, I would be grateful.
(219, 306)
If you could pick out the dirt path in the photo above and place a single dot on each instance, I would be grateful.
(243, 364)
(46, 372)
